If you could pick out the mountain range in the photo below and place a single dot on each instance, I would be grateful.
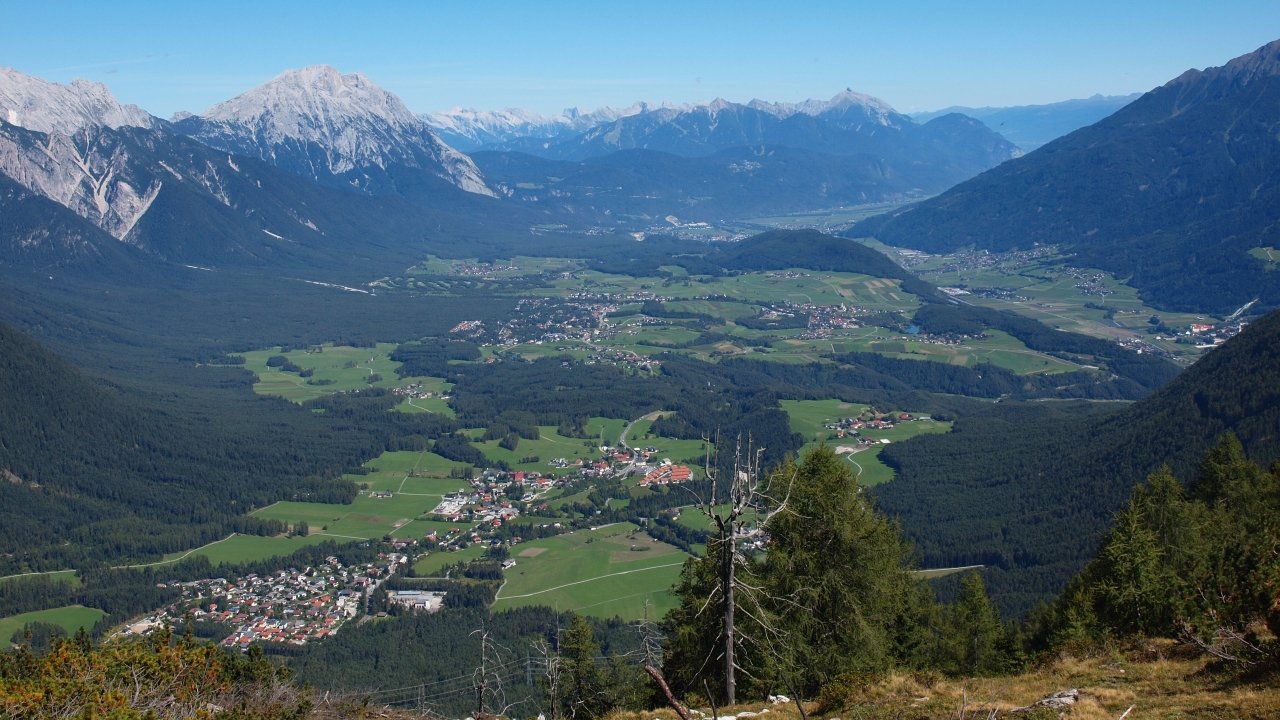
(727, 160)
(468, 129)
(1030, 126)
(254, 178)
(1177, 192)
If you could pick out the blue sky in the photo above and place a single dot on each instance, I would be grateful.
(170, 56)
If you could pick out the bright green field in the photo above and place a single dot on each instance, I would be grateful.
(823, 219)
(519, 266)
(808, 417)
(811, 286)
(694, 518)
(70, 618)
(676, 450)
(417, 479)
(411, 472)
(1268, 255)
(63, 576)
(245, 548)
(366, 517)
(607, 429)
(1053, 298)
(594, 572)
(329, 364)
(548, 446)
(431, 563)
(430, 404)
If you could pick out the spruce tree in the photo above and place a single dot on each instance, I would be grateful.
(837, 572)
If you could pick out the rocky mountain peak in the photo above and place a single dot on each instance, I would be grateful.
(333, 127)
(313, 96)
(35, 104)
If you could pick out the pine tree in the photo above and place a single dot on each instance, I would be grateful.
(973, 631)
(583, 690)
(837, 571)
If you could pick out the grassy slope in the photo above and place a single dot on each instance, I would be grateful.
(583, 571)
(70, 618)
(1152, 680)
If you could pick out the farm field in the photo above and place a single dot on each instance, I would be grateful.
(1049, 293)
(824, 219)
(676, 450)
(548, 446)
(70, 618)
(335, 368)
(797, 286)
(239, 548)
(809, 416)
(516, 267)
(432, 562)
(365, 518)
(417, 481)
(601, 572)
(417, 472)
(438, 387)
(692, 517)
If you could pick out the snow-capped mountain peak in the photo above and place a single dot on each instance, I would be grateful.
(841, 103)
(844, 99)
(321, 123)
(35, 104)
(315, 96)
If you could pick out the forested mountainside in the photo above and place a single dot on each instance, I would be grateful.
(1172, 192)
(1028, 490)
(95, 470)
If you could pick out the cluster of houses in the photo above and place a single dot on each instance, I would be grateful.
(667, 474)
(480, 270)
(486, 503)
(1089, 282)
(852, 426)
(415, 391)
(1208, 335)
(623, 358)
(291, 606)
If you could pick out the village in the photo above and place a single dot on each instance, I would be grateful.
(291, 606)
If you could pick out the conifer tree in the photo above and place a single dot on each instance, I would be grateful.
(836, 570)
(974, 631)
(583, 692)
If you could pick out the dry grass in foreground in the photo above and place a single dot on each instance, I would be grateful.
(1155, 680)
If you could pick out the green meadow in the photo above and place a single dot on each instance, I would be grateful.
(1051, 296)
(437, 387)
(239, 548)
(808, 417)
(365, 518)
(70, 618)
(432, 562)
(606, 572)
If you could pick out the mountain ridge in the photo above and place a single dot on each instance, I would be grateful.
(1171, 192)
(35, 104)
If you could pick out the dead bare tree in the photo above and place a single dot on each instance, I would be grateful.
(487, 679)
(549, 659)
(739, 512)
(650, 639)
